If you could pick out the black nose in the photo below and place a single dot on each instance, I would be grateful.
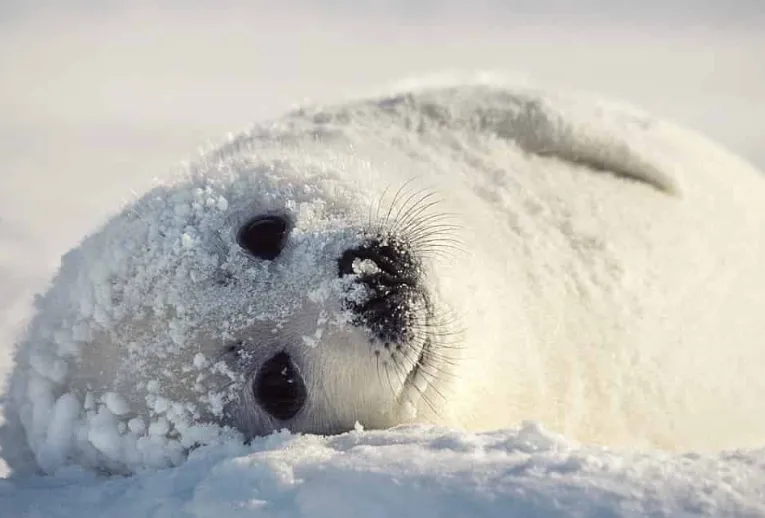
(390, 275)
(379, 262)
(278, 387)
(263, 236)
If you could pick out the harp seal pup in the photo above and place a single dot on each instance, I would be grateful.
(556, 258)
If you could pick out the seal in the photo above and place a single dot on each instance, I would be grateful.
(469, 256)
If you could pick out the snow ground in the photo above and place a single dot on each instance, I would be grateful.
(96, 102)
(412, 471)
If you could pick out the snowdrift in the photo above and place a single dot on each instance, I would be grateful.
(414, 471)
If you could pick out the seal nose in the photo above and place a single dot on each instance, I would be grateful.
(278, 387)
(390, 275)
(379, 262)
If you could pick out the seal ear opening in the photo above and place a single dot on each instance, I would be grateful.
(264, 236)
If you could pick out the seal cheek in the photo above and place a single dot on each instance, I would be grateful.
(278, 387)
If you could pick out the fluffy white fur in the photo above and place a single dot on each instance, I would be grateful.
(604, 277)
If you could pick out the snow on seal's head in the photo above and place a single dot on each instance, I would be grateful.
(254, 296)
(553, 267)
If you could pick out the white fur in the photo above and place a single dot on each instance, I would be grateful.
(608, 282)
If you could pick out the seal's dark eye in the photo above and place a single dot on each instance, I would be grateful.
(279, 388)
(263, 236)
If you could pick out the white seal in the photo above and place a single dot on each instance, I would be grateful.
(469, 256)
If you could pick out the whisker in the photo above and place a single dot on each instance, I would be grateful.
(419, 215)
(411, 212)
(416, 212)
(384, 222)
(379, 205)
(399, 217)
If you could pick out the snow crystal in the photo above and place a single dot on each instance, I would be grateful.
(61, 430)
(200, 362)
(160, 427)
(137, 426)
(116, 403)
(51, 368)
(103, 433)
(187, 241)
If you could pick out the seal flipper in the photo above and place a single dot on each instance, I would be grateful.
(599, 138)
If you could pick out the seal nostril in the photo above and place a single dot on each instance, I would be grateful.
(392, 261)
(263, 236)
(279, 388)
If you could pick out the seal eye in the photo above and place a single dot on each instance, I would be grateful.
(279, 388)
(263, 236)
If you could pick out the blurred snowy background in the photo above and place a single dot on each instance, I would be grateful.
(97, 98)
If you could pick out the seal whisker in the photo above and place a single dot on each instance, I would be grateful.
(433, 227)
(420, 217)
(377, 366)
(424, 239)
(423, 396)
(384, 222)
(442, 248)
(410, 210)
(386, 368)
(418, 211)
(419, 390)
(405, 208)
(437, 240)
(428, 239)
(379, 206)
(428, 368)
(431, 222)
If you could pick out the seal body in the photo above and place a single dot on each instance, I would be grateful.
(469, 256)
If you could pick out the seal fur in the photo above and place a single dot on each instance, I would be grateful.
(586, 266)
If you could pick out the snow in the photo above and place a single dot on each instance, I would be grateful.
(409, 471)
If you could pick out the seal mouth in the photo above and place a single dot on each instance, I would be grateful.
(387, 299)
(416, 383)
(418, 373)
